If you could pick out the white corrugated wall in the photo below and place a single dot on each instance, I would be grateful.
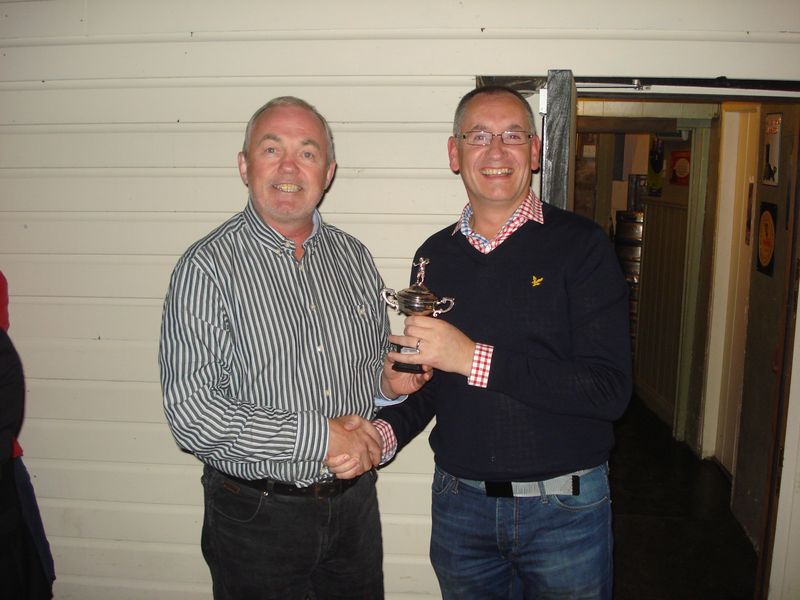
(119, 128)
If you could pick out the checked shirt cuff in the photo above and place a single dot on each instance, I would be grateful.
(481, 365)
(389, 440)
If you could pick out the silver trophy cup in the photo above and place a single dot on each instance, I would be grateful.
(415, 300)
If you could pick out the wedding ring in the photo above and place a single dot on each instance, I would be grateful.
(419, 341)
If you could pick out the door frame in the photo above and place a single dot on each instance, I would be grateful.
(738, 160)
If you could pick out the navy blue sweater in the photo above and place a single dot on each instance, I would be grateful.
(553, 302)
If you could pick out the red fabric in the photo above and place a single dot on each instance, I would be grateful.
(389, 440)
(529, 210)
(481, 365)
(16, 449)
(3, 302)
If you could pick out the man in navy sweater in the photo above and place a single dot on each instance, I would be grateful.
(532, 366)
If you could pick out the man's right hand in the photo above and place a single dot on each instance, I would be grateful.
(354, 446)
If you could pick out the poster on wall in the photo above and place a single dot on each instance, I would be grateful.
(679, 159)
(772, 149)
(768, 215)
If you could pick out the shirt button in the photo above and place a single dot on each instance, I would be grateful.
(320, 349)
(312, 307)
(328, 393)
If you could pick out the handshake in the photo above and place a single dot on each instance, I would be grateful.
(354, 446)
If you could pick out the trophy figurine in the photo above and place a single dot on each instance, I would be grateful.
(415, 300)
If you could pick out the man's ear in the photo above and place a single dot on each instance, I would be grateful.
(242, 161)
(536, 147)
(452, 152)
(329, 176)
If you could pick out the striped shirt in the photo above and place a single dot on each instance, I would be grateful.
(258, 349)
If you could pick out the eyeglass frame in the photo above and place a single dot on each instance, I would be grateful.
(527, 135)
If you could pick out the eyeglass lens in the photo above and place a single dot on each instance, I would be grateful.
(484, 138)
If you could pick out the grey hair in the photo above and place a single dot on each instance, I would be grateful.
(289, 101)
(490, 90)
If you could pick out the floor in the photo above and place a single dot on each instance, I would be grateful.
(675, 537)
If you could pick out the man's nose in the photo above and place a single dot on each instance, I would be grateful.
(287, 163)
(496, 145)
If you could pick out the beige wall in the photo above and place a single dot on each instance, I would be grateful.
(119, 127)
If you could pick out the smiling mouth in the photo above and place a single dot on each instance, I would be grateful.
(496, 171)
(289, 188)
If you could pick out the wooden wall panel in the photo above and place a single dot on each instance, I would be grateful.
(205, 146)
(77, 587)
(124, 277)
(660, 290)
(219, 190)
(124, 401)
(140, 522)
(671, 54)
(355, 18)
(89, 318)
(147, 233)
(192, 100)
(111, 559)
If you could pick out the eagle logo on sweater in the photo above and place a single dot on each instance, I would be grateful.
(536, 281)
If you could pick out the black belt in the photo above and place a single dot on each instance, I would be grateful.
(320, 489)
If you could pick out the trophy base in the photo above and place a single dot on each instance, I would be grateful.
(407, 368)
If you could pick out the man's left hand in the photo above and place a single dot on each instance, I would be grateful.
(400, 383)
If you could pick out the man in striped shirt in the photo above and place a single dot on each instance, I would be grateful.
(532, 366)
(272, 355)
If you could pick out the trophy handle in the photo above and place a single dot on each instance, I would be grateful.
(388, 296)
(441, 311)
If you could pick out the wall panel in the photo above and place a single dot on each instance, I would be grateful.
(147, 233)
(669, 55)
(83, 400)
(394, 190)
(403, 99)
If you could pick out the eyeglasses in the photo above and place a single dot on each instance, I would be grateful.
(484, 138)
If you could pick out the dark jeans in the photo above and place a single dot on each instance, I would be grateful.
(262, 547)
(548, 547)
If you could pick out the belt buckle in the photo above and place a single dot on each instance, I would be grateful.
(499, 489)
(325, 489)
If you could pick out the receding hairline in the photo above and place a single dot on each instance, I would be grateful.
(289, 101)
(491, 90)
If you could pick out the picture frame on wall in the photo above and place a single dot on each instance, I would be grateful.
(772, 149)
(765, 258)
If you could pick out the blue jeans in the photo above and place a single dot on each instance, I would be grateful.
(265, 547)
(545, 547)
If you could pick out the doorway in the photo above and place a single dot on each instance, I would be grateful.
(649, 161)
(767, 360)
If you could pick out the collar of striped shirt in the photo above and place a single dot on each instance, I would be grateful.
(271, 236)
(529, 210)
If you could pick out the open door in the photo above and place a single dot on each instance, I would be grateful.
(770, 327)
(736, 197)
